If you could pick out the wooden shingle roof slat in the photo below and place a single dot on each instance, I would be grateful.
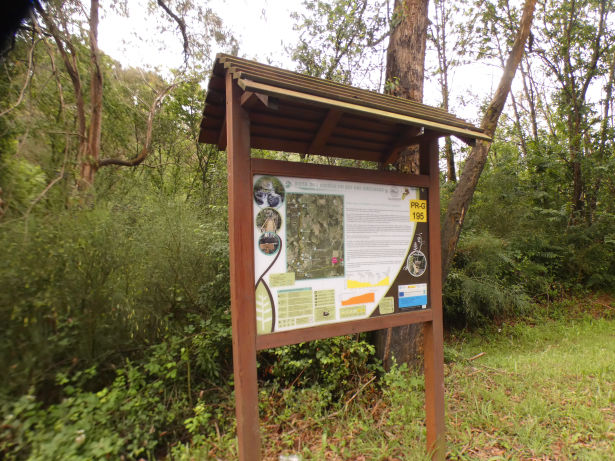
(333, 103)
(303, 114)
(261, 73)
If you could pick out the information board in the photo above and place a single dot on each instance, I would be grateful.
(333, 251)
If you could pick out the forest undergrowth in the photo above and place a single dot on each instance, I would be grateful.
(540, 387)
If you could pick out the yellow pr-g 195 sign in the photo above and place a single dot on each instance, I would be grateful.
(418, 210)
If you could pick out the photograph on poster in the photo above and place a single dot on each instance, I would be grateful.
(268, 192)
(333, 251)
(268, 220)
(315, 235)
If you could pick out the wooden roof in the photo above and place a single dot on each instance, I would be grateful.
(296, 113)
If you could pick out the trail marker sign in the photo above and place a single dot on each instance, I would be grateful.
(318, 251)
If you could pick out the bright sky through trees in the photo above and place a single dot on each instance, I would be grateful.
(264, 29)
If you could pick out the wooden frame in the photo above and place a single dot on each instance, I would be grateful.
(241, 169)
(306, 170)
(242, 114)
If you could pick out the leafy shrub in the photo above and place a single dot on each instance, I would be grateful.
(481, 286)
(591, 254)
(145, 409)
(334, 365)
(92, 287)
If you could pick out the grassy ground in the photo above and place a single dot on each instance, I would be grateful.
(541, 389)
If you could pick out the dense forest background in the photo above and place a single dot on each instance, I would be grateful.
(114, 297)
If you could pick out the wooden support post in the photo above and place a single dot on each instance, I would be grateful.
(222, 137)
(433, 334)
(243, 315)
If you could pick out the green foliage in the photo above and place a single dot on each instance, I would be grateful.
(481, 286)
(147, 407)
(340, 40)
(518, 243)
(92, 286)
(332, 365)
(116, 330)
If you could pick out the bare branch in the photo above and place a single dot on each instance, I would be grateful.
(181, 24)
(70, 62)
(28, 78)
(148, 135)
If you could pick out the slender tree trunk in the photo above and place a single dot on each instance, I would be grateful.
(461, 198)
(89, 117)
(576, 153)
(451, 174)
(440, 42)
(89, 162)
(530, 97)
(601, 155)
(404, 74)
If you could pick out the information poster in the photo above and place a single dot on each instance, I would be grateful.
(334, 251)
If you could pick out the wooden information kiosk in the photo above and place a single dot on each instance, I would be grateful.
(319, 251)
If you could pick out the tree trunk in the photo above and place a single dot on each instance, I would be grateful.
(89, 161)
(451, 174)
(406, 52)
(89, 118)
(461, 198)
(439, 39)
(404, 74)
(576, 153)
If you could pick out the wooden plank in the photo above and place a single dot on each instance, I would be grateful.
(345, 106)
(214, 123)
(275, 132)
(407, 141)
(404, 140)
(301, 335)
(324, 131)
(243, 313)
(299, 111)
(292, 81)
(215, 110)
(214, 97)
(468, 141)
(209, 136)
(248, 99)
(364, 135)
(217, 83)
(285, 145)
(433, 334)
(337, 173)
(290, 145)
(358, 122)
(271, 119)
(354, 143)
(354, 133)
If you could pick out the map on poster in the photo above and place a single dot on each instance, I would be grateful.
(333, 251)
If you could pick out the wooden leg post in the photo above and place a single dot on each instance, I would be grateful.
(242, 274)
(433, 334)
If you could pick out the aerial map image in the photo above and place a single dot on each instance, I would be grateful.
(315, 235)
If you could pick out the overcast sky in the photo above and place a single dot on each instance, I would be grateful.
(263, 28)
